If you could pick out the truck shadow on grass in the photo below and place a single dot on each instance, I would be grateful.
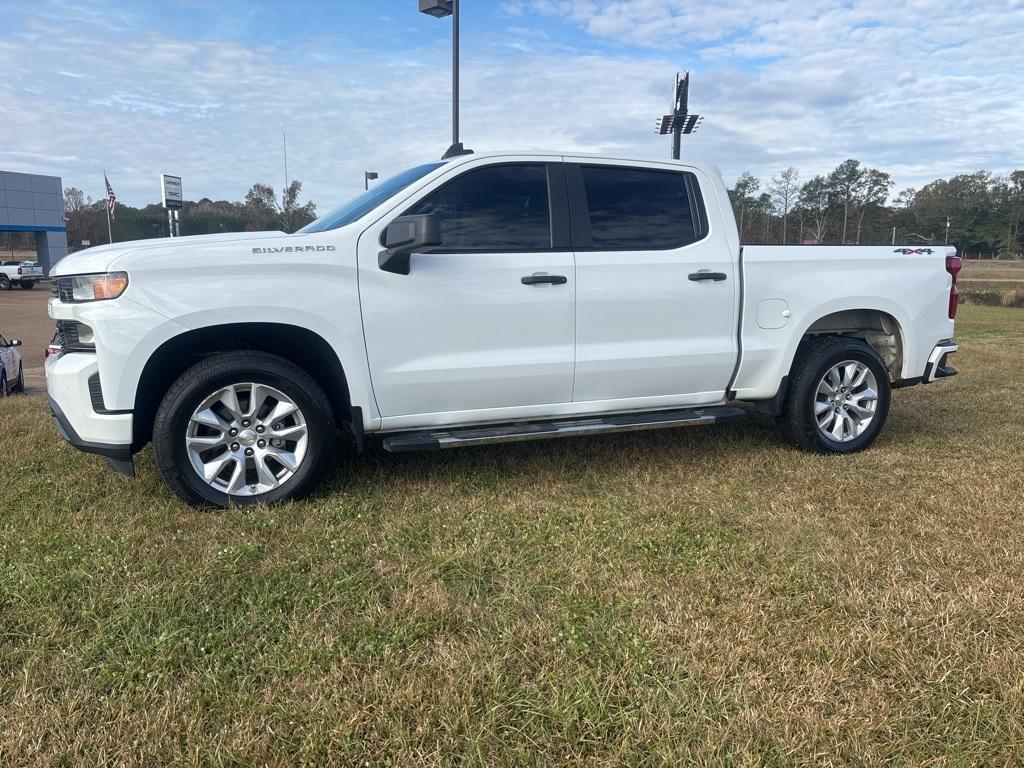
(708, 450)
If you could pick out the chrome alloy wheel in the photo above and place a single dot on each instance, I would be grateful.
(246, 439)
(845, 401)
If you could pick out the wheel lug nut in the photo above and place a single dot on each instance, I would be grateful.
(260, 428)
(248, 451)
(245, 422)
(234, 446)
(232, 431)
(261, 443)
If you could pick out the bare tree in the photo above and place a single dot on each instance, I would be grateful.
(784, 190)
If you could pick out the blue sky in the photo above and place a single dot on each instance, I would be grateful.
(923, 88)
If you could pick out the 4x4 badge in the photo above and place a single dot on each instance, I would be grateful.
(909, 251)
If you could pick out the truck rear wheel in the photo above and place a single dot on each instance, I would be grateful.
(243, 428)
(838, 398)
(5, 283)
(27, 285)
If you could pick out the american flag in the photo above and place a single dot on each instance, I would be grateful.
(111, 197)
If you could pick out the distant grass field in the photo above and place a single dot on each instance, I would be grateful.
(993, 283)
(699, 595)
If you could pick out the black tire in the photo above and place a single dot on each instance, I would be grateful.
(813, 361)
(27, 285)
(5, 283)
(19, 384)
(202, 380)
(4, 391)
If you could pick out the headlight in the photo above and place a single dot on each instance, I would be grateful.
(92, 287)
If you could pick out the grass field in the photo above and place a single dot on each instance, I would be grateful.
(703, 595)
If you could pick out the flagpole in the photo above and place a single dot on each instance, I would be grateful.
(106, 205)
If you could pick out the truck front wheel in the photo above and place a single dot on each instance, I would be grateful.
(242, 428)
(5, 283)
(838, 398)
(27, 285)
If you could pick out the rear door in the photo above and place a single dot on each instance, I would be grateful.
(657, 287)
(482, 327)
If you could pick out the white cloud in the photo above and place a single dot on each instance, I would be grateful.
(922, 90)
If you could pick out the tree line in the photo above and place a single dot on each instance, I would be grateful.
(261, 210)
(980, 213)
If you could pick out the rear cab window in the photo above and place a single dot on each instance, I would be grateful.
(628, 208)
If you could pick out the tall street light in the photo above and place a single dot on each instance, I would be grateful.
(439, 9)
(368, 176)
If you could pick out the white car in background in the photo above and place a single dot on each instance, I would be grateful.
(12, 374)
(23, 273)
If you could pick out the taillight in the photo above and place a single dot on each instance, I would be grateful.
(953, 265)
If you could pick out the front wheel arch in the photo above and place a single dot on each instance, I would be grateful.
(300, 346)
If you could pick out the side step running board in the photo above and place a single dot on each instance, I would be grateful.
(429, 440)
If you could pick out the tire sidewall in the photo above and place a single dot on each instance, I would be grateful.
(869, 357)
(171, 442)
(5, 283)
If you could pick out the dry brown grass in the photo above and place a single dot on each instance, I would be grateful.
(697, 596)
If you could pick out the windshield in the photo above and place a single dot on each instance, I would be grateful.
(369, 200)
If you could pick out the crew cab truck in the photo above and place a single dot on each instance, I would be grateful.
(486, 298)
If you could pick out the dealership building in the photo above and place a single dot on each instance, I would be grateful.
(30, 203)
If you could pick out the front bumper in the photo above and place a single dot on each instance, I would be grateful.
(104, 434)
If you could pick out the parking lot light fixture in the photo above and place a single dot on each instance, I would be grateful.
(439, 9)
(368, 176)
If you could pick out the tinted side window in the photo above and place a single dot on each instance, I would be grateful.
(498, 208)
(636, 208)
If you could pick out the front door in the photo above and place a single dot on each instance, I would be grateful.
(482, 326)
(657, 288)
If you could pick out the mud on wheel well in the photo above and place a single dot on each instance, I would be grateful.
(301, 346)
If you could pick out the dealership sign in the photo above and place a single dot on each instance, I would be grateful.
(170, 191)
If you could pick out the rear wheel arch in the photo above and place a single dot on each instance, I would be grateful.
(882, 331)
(301, 346)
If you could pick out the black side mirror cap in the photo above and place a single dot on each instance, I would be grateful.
(404, 236)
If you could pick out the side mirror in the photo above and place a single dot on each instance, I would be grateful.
(404, 236)
(14, 343)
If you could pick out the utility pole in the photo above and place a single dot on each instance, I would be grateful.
(680, 121)
(947, 230)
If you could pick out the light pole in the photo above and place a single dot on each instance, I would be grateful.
(439, 9)
(368, 176)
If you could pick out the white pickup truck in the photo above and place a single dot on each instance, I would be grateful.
(488, 298)
(23, 273)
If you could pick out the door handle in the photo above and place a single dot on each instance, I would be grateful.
(538, 279)
(716, 276)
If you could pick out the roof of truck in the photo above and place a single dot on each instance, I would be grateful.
(473, 155)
